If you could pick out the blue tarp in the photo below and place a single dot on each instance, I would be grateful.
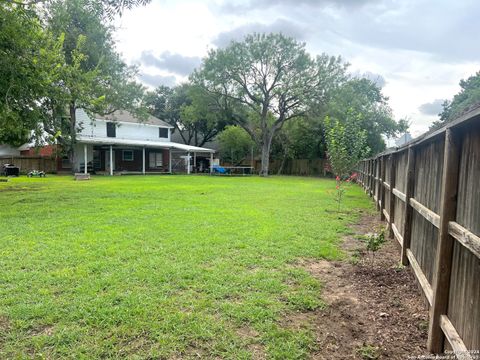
(219, 169)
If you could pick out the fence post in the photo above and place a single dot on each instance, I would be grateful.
(360, 173)
(377, 182)
(373, 180)
(370, 177)
(391, 212)
(443, 263)
(362, 170)
(367, 176)
(407, 225)
(363, 175)
(369, 166)
(382, 187)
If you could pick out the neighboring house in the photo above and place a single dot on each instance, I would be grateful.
(122, 143)
(403, 139)
(7, 150)
(42, 151)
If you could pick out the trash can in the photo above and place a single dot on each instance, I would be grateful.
(10, 170)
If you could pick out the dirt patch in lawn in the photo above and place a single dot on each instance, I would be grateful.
(374, 309)
(4, 329)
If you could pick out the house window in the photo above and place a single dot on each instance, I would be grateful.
(127, 155)
(66, 163)
(111, 129)
(155, 160)
(163, 133)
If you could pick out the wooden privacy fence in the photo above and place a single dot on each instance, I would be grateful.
(429, 193)
(28, 163)
(302, 167)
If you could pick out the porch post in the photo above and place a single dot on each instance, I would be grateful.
(188, 162)
(211, 163)
(170, 160)
(143, 160)
(253, 163)
(111, 161)
(194, 162)
(85, 158)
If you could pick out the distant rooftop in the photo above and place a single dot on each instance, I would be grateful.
(125, 116)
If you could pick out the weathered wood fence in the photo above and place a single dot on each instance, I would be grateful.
(301, 167)
(28, 163)
(429, 193)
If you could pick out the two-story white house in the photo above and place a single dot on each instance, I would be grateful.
(120, 143)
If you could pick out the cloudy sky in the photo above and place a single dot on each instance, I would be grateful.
(418, 50)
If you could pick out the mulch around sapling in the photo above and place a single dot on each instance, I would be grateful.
(375, 309)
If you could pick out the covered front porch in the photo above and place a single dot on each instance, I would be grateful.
(122, 156)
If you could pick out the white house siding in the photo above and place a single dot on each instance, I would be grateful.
(125, 130)
(138, 132)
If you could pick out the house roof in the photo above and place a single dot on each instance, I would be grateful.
(147, 143)
(125, 116)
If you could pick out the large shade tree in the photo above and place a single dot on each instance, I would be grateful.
(30, 65)
(57, 56)
(267, 80)
(363, 97)
(93, 76)
(305, 139)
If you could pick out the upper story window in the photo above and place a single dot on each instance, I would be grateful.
(111, 129)
(163, 133)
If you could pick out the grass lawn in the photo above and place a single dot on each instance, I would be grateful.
(163, 266)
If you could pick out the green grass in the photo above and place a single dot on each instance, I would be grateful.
(163, 266)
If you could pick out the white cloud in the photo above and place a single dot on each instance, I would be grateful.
(432, 108)
(283, 26)
(155, 80)
(174, 63)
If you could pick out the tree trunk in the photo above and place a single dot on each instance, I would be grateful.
(265, 156)
(282, 164)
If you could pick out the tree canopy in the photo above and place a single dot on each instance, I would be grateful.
(30, 65)
(93, 75)
(190, 110)
(110, 8)
(468, 97)
(363, 97)
(56, 58)
(266, 80)
(346, 142)
(235, 144)
(305, 138)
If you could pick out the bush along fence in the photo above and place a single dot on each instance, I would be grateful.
(429, 193)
